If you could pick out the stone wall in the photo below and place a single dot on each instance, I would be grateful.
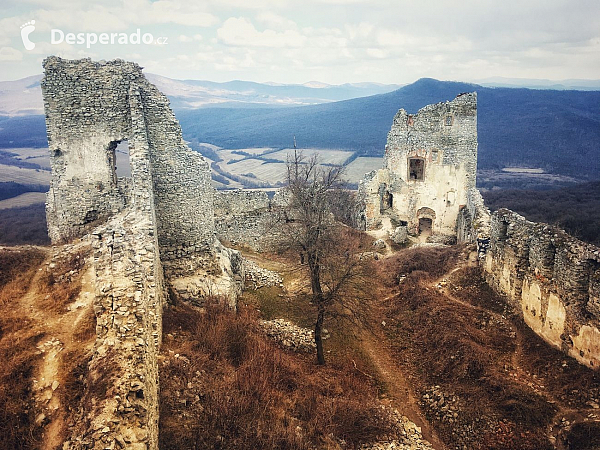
(552, 278)
(120, 404)
(151, 230)
(87, 113)
(473, 222)
(250, 218)
(429, 167)
(90, 106)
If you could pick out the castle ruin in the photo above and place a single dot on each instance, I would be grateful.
(152, 233)
(429, 170)
(427, 188)
(155, 232)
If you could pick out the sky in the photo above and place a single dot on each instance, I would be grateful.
(331, 41)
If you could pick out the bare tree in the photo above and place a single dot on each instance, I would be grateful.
(330, 251)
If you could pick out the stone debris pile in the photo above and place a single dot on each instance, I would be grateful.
(409, 437)
(291, 336)
(258, 277)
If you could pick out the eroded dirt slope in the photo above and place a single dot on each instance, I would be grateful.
(47, 330)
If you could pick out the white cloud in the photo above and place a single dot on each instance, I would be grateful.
(10, 54)
(275, 21)
(174, 11)
(241, 32)
(185, 38)
(377, 53)
(359, 31)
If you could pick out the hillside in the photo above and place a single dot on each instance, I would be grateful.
(576, 209)
(558, 131)
(432, 336)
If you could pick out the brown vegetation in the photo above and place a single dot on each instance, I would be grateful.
(18, 352)
(60, 283)
(33, 298)
(465, 352)
(225, 385)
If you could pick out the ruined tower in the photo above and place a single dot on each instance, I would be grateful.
(152, 232)
(90, 108)
(429, 169)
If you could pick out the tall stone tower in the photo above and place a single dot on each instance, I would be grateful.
(90, 108)
(429, 169)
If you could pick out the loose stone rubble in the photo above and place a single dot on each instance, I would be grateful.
(258, 277)
(291, 336)
(410, 437)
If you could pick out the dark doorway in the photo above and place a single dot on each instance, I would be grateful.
(425, 226)
(416, 169)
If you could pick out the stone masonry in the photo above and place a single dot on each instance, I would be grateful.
(552, 279)
(429, 169)
(250, 218)
(151, 233)
(90, 107)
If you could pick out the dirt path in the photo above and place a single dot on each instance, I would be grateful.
(517, 372)
(398, 389)
(59, 329)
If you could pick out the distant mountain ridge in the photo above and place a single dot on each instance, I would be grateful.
(532, 83)
(24, 97)
(558, 131)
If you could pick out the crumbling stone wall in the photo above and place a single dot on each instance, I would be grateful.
(120, 404)
(473, 222)
(90, 106)
(429, 168)
(87, 113)
(552, 278)
(153, 229)
(250, 218)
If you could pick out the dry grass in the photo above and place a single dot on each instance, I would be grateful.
(230, 387)
(464, 350)
(18, 352)
(61, 284)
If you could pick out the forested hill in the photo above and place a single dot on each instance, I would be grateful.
(558, 131)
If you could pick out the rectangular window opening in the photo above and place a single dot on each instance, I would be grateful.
(122, 162)
(416, 169)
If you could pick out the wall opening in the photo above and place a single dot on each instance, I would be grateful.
(122, 161)
(426, 217)
(425, 226)
(503, 231)
(112, 160)
(386, 199)
(416, 169)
